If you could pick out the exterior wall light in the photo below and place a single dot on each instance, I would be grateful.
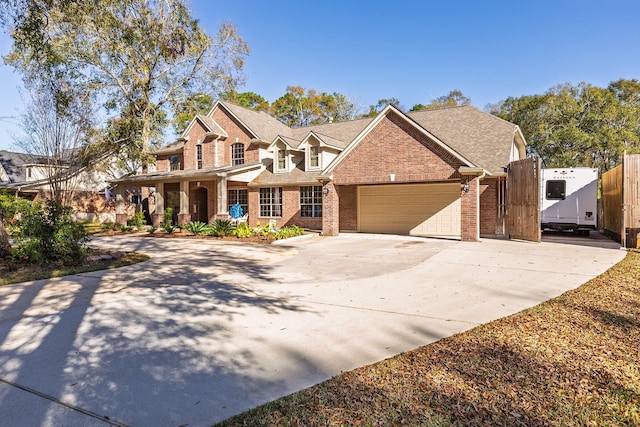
(325, 191)
(466, 186)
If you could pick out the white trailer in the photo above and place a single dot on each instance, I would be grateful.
(569, 199)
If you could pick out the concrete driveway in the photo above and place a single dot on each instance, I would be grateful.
(205, 330)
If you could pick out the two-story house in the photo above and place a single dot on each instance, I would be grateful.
(432, 173)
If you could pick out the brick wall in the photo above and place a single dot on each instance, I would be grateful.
(290, 210)
(197, 133)
(469, 211)
(488, 206)
(235, 130)
(395, 147)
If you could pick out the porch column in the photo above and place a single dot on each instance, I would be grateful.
(156, 218)
(121, 214)
(330, 210)
(223, 208)
(184, 216)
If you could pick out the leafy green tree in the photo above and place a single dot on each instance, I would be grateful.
(138, 57)
(249, 100)
(185, 111)
(580, 125)
(452, 99)
(299, 107)
(374, 110)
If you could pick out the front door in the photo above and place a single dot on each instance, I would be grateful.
(200, 206)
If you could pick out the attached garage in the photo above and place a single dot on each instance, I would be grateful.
(410, 209)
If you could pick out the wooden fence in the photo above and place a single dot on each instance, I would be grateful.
(523, 200)
(621, 200)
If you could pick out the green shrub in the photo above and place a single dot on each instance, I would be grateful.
(152, 229)
(138, 221)
(167, 221)
(243, 230)
(126, 228)
(109, 226)
(48, 234)
(12, 206)
(288, 231)
(222, 227)
(196, 227)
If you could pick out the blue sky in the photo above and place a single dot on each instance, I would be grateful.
(414, 50)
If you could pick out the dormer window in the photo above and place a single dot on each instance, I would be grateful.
(282, 159)
(237, 154)
(314, 160)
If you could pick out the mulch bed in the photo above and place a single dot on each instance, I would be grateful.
(182, 234)
(571, 361)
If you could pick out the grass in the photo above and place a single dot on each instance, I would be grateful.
(11, 273)
(571, 361)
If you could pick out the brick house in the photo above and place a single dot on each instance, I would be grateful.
(434, 173)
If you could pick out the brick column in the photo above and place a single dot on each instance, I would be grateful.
(470, 209)
(330, 210)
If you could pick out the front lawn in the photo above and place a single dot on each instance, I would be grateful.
(571, 361)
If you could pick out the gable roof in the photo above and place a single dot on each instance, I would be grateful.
(13, 165)
(483, 138)
(263, 126)
(391, 109)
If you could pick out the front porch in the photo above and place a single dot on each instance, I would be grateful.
(200, 195)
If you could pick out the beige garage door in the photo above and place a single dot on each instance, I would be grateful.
(410, 209)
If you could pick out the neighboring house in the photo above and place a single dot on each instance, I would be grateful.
(429, 173)
(27, 176)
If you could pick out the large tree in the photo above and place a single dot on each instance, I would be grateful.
(136, 57)
(56, 130)
(303, 107)
(374, 110)
(452, 99)
(580, 125)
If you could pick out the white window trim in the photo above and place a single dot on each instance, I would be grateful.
(309, 166)
(277, 168)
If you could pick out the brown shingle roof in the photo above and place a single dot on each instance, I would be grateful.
(296, 177)
(263, 125)
(481, 137)
(341, 133)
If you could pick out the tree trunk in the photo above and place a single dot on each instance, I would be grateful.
(5, 247)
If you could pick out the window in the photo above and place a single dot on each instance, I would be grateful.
(136, 199)
(311, 202)
(556, 190)
(199, 156)
(271, 202)
(282, 159)
(237, 154)
(174, 162)
(313, 156)
(240, 197)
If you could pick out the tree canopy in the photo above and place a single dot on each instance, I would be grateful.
(303, 107)
(135, 57)
(452, 99)
(580, 125)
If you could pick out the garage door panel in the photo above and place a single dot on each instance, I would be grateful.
(414, 209)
